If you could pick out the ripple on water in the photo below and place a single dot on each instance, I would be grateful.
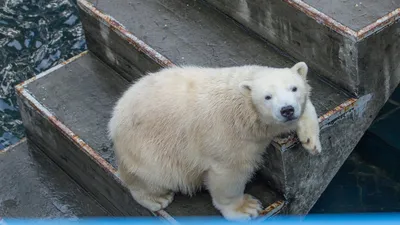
(34, 36)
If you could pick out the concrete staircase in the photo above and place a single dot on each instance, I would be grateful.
(354, 68)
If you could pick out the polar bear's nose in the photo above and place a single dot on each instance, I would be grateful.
(287, 111)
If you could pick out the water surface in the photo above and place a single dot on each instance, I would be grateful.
(34, 36)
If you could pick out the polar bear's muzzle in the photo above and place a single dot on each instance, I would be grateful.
(288, 113)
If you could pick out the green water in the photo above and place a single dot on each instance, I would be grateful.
(34, 36)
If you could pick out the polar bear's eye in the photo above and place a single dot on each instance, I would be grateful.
(294, 89)
(268, 97)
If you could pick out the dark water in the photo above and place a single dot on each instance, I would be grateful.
(34, 36)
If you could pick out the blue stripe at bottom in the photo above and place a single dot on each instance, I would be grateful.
(359, 219)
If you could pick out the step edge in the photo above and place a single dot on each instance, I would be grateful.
(379, 24)
(322, 18)
(271, 210)
(120, 29)
(328, 21)
(10, 147)
(88, 150)
(22, 84)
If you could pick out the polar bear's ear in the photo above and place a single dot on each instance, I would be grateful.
(245, 88)
(301, 68)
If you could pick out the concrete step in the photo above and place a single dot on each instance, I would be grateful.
(134, 37)
(355, 44)
(182, 32)
(66, 111)
(33, 186)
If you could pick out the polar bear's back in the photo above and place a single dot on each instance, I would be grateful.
(170, 96)
(177, 94)
(163, 122)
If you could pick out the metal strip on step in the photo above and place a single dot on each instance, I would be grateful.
(328, 21)
(52, 69)
(270, 211)
(322, 18)
(379, 24)
(11, 147)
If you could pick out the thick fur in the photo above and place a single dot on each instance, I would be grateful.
(184, 127)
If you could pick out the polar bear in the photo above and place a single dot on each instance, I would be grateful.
(182, 128)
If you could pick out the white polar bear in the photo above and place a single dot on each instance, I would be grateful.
(184, 127)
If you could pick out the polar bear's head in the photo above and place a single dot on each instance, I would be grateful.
(278, 94)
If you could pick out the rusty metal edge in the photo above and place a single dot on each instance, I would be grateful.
(337, 111)
(6, 149)
(379, 24)
(271, 210)
(324, 19)
(82, 145)
(54, 68)
(112, 23)
(291, 140)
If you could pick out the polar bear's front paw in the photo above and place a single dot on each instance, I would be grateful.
(311, 143)
(249, 207)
